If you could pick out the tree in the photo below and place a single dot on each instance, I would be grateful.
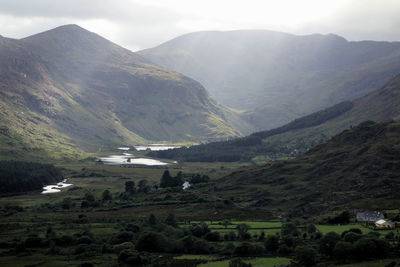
(166, 179)
(143, 187)
(89, 197)
(239, 263)
(107, 195)
(151, 242)
(242, 230)
(311, 228)
(130, 187)
(170, 220)
(328, 242)
(305, 256)
(271, 243)
(343, 250)
(289, 229)
(152, 219)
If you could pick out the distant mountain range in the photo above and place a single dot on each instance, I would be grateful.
(68, 88)
(301, 134)
(278, 77)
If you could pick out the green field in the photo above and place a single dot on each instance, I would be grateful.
(256, 262)
(379, 263)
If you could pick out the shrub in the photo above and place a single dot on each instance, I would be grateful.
(122, 237)
(195, 245)
(271, 243)
(123, 246)
(212, 236)
(239, 263)
(328, 242)
(343, 250)
(305, 256)
(85, 240)
(133, 257)
(151, 242)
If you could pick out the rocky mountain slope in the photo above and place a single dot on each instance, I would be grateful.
(68, 88)
(357, 169)
(278, 77)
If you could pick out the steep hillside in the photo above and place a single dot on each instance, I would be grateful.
(357, 169)
(301, 134)
(69, 87)
(278, 77)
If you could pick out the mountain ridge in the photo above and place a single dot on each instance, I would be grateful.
(301, 134)
(77, 89)
(283, 75)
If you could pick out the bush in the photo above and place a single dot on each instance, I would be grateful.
(133, 258)
(239, 263)
(328, 242)
(123, 246)
(199, 230)
(122, 237)
(351, 237)
(151, 242)
(195, 245)
(271, 243)
(84, 240)
(248, 249)
(212, 236)
(305, 256)
(343, 250)
(33, 242)
(367, 247)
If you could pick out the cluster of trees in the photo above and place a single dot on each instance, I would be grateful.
(18, 176)
(171, 181)
(142, 187)
(135, 242)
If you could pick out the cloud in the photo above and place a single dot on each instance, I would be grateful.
(138, 24)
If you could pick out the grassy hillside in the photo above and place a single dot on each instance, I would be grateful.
(278, 77)
(357, 169)
(301, 134)
(68, 88)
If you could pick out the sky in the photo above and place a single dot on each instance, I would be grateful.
(140, 24)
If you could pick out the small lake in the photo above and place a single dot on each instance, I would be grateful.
(128, 159)
(155, 147)
(55, 188)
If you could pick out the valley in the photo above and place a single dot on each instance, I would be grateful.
(108, 159)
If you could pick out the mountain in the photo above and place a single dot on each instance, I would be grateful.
(301, 134)
(277, 77)
(68, 88)
(357, 169)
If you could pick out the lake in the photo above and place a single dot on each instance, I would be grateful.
(155, 147)
(55, 188)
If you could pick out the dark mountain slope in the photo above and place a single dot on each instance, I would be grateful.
(70, 87)
(278, 77)
(301, 134)
(359, 168)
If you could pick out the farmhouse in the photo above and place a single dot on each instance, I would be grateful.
(383, 224)
(369, 216)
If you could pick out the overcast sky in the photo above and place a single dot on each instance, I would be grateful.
(139, 24)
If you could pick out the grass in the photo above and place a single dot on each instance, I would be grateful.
(256, 262)
(196, 257)
(341, 228)
(378, 263)
(59, 261)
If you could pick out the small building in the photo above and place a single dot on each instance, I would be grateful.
(384, 224)
(186, 185)
(369, 216)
